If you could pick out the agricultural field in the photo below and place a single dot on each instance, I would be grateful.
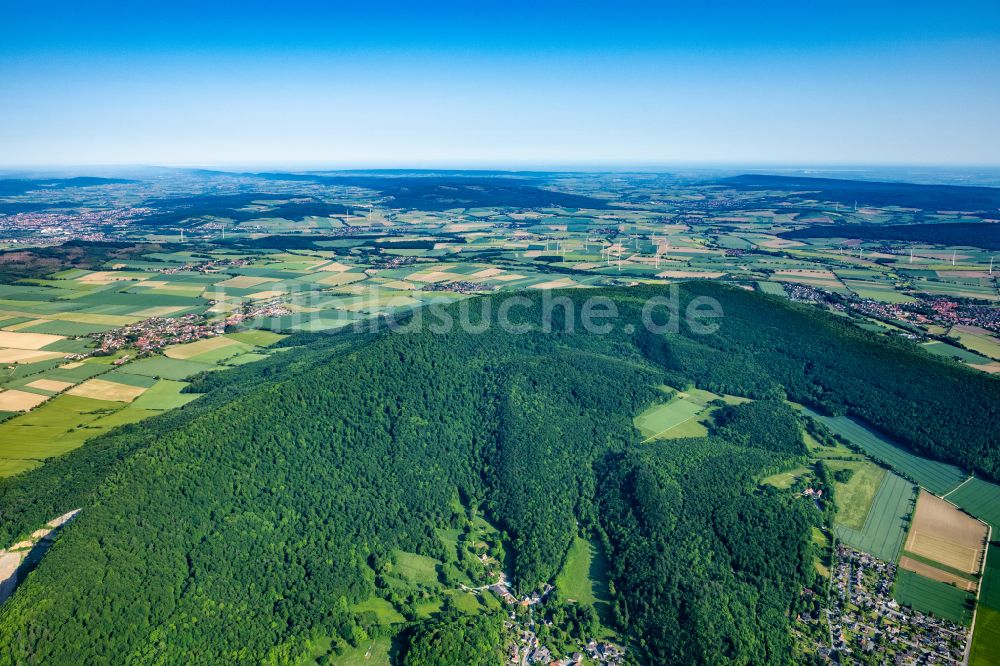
(986, 636)
(981, 499)
(933, 597)
(937, 477)
(885, 524)
(359, 258)
(944, 544)
(942, 533)
(855, 498)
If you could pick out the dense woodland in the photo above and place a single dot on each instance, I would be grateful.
(973, 234)
(250, 521)
(875, 193)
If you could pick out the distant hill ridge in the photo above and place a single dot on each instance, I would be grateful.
(876, 193)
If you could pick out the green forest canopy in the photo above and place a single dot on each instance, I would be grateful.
(238, 527)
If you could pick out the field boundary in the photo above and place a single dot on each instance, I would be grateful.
(979, 592)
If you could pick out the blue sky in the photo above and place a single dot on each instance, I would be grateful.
(499, 83)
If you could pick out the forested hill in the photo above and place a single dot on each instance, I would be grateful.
(238, 527)
(975, 234)
(875, 193)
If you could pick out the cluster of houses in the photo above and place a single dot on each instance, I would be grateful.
(529, 650)
(156, 333)
(94, 225)
(460, 287)
(865, 619)
(208, 266)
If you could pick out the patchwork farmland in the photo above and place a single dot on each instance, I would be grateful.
(885, 525)
(937, 477)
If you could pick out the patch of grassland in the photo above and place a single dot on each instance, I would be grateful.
(416, 568)
(584, 578)
(374, 652)
(784, 480)
(659, 419)
(854, 498)
(384, 611)
(885, 526)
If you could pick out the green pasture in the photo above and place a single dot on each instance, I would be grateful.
(886, 521)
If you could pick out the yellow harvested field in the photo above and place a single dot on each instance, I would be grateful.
(244, 281)
(934, 573)
(267, 294)
(466, 226)
(400, 284)
(965, 274)
(27, 324)
(26, 355)
(49, 385)
(806, 273)
(159, 311)
(106, 277)
(70, 366)
(102, 389)
(943, 533)
(15, 340)
(432, 276)
(335, 266)
(555, 284)
(20, 401)
(689, 274)
(190, 349)
(102, 319)
(486, 273)
(508, 277)
(781, 242)
(336, 279)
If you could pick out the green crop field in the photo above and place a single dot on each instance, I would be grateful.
(986, 636)
(937, 477)
(164, 394)
(256, 338)
(950, 351)
(982, 500)
(930, 596)
(167, 368)
(885, 526)
(990, 591)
